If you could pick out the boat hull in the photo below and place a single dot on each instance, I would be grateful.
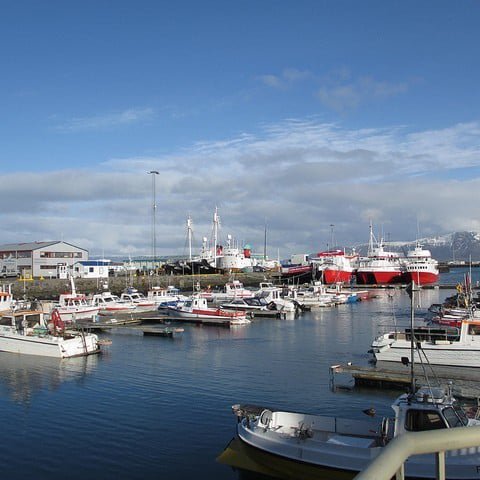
(421, 278)
(208, 318)
(49, 346)
(340, 453)
(331, 276)
(446, 355)
(377, 277)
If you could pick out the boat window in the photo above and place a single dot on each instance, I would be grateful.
(451, 417)
(455, 417)
(473, 329)
(6, 321)
(419, 420)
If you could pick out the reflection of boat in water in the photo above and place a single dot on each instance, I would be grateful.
(23, 376)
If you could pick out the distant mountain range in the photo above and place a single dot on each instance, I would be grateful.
(457, 246)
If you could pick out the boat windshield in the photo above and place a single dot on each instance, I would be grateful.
(455, 417)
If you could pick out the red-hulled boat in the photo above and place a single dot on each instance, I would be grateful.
(334, 266)
(420, 267)
(380, 267)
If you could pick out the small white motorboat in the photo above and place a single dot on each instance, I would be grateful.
(196, 310)
(27, 332)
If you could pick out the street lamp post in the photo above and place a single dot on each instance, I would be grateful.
(154, 173)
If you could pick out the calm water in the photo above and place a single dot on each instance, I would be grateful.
(160, 408)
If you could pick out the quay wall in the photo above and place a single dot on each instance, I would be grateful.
(50, 289)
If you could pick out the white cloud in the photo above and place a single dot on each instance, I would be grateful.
(340, 92)
(105, 121)
(299, 175)
(286, 78)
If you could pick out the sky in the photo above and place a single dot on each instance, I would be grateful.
(306, 119)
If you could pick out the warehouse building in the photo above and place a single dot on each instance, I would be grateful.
(43, 259)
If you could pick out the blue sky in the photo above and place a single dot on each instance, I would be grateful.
(298, 114)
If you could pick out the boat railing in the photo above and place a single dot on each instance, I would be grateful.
(430, 334)
(391, 461)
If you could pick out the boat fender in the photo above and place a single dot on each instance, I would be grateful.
(384, 430)
(265, 418)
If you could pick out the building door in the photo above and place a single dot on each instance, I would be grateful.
(62, 271)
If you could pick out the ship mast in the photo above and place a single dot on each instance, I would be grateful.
(189, 236)
(215, 236)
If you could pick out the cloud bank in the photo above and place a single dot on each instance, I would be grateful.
(297, 177)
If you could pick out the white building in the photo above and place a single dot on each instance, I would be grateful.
(91, 269)
(43, 259)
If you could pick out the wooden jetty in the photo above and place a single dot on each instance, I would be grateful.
(170, 332)
(465, 381)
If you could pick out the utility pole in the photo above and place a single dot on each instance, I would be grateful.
(154, 173)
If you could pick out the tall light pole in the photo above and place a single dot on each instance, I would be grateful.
(154, 173)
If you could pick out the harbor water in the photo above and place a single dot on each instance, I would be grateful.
(152, 407)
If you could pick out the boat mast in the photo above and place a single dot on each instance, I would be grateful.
(265, 242)
(189, 236)
(370, 242)
(215, 236)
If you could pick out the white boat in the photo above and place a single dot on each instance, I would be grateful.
(235, 259)
(197, 310)
(347, 446)
(6, 298)
(164, 297)
(249, 304)
(109, 303)
(274, 296)
(26, 332)
(75, 306)
(141, 303)
(439, 344)
(313, 296)
(230, 291)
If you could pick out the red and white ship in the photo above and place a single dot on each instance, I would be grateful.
(334, 266)
(420, 267)
(380, 267)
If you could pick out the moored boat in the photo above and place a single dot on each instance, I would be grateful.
(380, 267)
(347, 446)
(420, 267)
(333, 266)
(27, 332)
(109, 303)
(74, 306)
(196, 310)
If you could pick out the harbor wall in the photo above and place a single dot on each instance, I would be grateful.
(49, 289)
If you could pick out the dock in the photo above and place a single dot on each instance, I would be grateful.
(170, 332)
(465, 381)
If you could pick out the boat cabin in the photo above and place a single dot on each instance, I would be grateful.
(429, 409)
(26, 322)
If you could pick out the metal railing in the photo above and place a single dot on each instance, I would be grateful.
(391, 461)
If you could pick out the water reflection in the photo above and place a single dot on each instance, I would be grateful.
(24, 376)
